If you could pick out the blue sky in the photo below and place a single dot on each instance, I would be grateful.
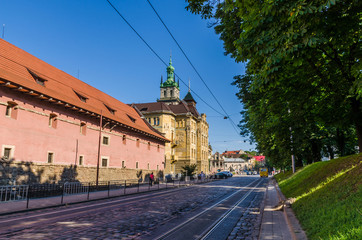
(88, 39)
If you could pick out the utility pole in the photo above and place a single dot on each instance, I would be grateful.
(291, 141)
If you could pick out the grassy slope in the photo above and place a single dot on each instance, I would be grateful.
(329, 197)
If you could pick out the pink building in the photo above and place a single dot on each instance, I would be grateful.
(50, 117)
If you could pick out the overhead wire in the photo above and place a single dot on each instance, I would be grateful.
(154, 52)
(192, 65)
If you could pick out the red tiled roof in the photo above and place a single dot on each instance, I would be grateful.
(259, 158)
(152, 107)
(17, 66)
(179, 108)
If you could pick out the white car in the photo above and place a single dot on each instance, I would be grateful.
(229, 174)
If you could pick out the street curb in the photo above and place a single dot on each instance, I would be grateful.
(262, 206)
(293, 223)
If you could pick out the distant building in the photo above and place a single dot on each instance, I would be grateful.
(236, 161)
(179, 121)
(52, 119)
(216, 162)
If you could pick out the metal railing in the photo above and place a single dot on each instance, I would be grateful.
(88, 190)
(13, 193)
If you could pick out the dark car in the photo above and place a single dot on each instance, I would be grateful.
(221, 175)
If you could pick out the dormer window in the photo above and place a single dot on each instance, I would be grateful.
(131, 118)
(38, 80)
(81, 97)
(111, 110)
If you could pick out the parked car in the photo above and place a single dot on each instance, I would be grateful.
(229, 174)
(221, 175)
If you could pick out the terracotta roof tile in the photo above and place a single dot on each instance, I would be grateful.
(17, 65)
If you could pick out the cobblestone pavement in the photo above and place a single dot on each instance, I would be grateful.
(248, 227)
(142, 217)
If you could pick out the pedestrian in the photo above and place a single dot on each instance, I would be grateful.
(152, 178)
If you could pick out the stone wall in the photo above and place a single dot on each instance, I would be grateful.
(25, 173)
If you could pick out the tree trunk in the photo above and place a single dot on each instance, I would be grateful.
(357, 119)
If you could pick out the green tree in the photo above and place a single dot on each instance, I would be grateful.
(303, 73)
(189, 169)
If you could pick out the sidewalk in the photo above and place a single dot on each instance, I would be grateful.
(39, 203)
(278, 221)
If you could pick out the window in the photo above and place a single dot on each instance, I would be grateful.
(53, 120)
(83, 128)
(165, 93)
(81, 160)
(158, 148)
(111, 110)
(158, 121)
(11, 110)
(8, 111)
(123, 165)
(148, 166)
(137, 142)
(157, 167)
(136, 165)
(149, 146)
(154, 121)
(7, 152)
(104, 162)
(124, 139)
(81, 97)
(105, 140)
(50, 157)
(38, 80)
(171, 93)
(131, 118)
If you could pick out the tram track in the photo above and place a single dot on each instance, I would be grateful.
(13, 226)
(228, 206)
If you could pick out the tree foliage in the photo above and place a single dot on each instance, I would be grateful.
(189, 169)
(302, 89)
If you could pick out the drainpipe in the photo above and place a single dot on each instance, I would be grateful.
(99, 146)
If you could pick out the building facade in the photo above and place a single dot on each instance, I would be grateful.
(51, 118)
(216, 162)
(180, 122)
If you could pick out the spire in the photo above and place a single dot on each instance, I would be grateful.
(189, 86)
(161, 79)
(170, 70)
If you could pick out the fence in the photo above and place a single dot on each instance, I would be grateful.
(13, 193)
(88, 190)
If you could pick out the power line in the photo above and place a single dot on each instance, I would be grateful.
(226, 114)
(154, 52)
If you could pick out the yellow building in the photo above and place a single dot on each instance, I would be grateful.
(180, 122)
